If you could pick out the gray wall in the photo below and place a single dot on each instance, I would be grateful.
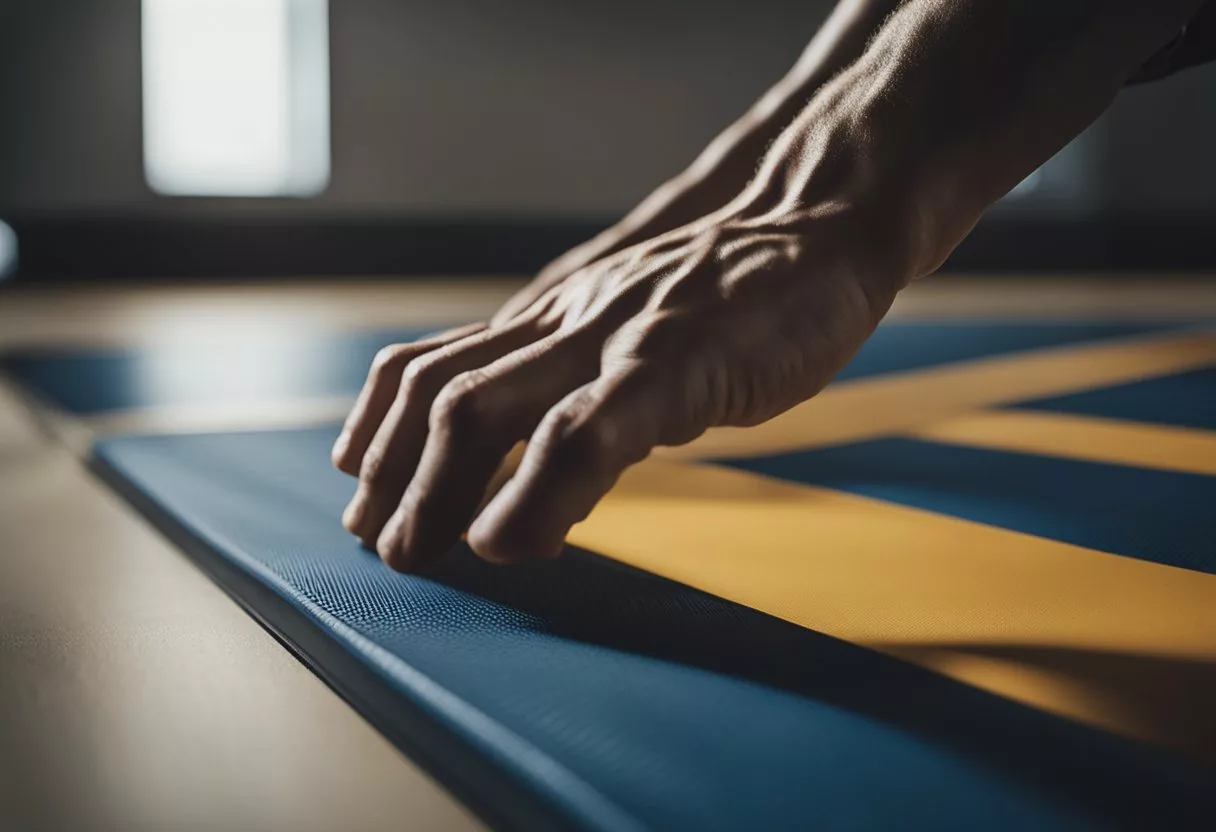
(69, 105)
(532, 107)
(1161, 147)
(453, 107)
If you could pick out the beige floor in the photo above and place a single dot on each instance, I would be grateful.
(135, 695)
(152, 315)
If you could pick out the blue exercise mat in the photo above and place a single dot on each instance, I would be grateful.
(581, 693)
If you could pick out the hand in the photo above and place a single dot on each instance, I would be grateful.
(728, 321)
(737, 317)
(718, 175)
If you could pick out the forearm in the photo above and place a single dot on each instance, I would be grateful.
(726, 165)
(952, 104)
(724, 168)
(840, 41)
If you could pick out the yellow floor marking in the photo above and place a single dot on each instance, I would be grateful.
(1057, 626)
(884, 405)
(1081, 437)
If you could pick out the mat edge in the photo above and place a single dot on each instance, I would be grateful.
(496, 798)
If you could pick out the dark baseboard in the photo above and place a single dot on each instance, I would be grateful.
(1116, 246)
(156, 249)
(132, 248)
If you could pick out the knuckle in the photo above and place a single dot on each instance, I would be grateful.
(421, 376)
(372, 467)
(389, 360)
(459, 407)
(586, 446)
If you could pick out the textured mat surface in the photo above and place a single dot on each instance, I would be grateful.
(585, 693)
(286, 367)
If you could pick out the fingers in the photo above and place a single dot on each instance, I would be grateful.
(575, 457)
(378, 393)
(392, 454)
(474, 422)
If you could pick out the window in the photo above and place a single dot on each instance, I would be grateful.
(236, 97)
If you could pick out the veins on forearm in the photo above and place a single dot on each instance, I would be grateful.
(954, 102)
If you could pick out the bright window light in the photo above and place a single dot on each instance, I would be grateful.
(236, 97)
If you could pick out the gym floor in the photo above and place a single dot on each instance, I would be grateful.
(1013, 511)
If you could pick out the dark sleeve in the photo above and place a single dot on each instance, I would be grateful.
(1195, 44)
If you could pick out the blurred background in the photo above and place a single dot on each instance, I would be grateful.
(393, 137)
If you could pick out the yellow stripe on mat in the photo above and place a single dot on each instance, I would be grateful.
(885, 405)
(1116, 642)
(1081, 437)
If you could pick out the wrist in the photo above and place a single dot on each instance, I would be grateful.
(933, 124)
(726, 166)
(837, 177)
(866, 148)
(838, 43)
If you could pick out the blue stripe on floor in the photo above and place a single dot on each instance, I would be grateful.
(1185, 400)
(1160, 516)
